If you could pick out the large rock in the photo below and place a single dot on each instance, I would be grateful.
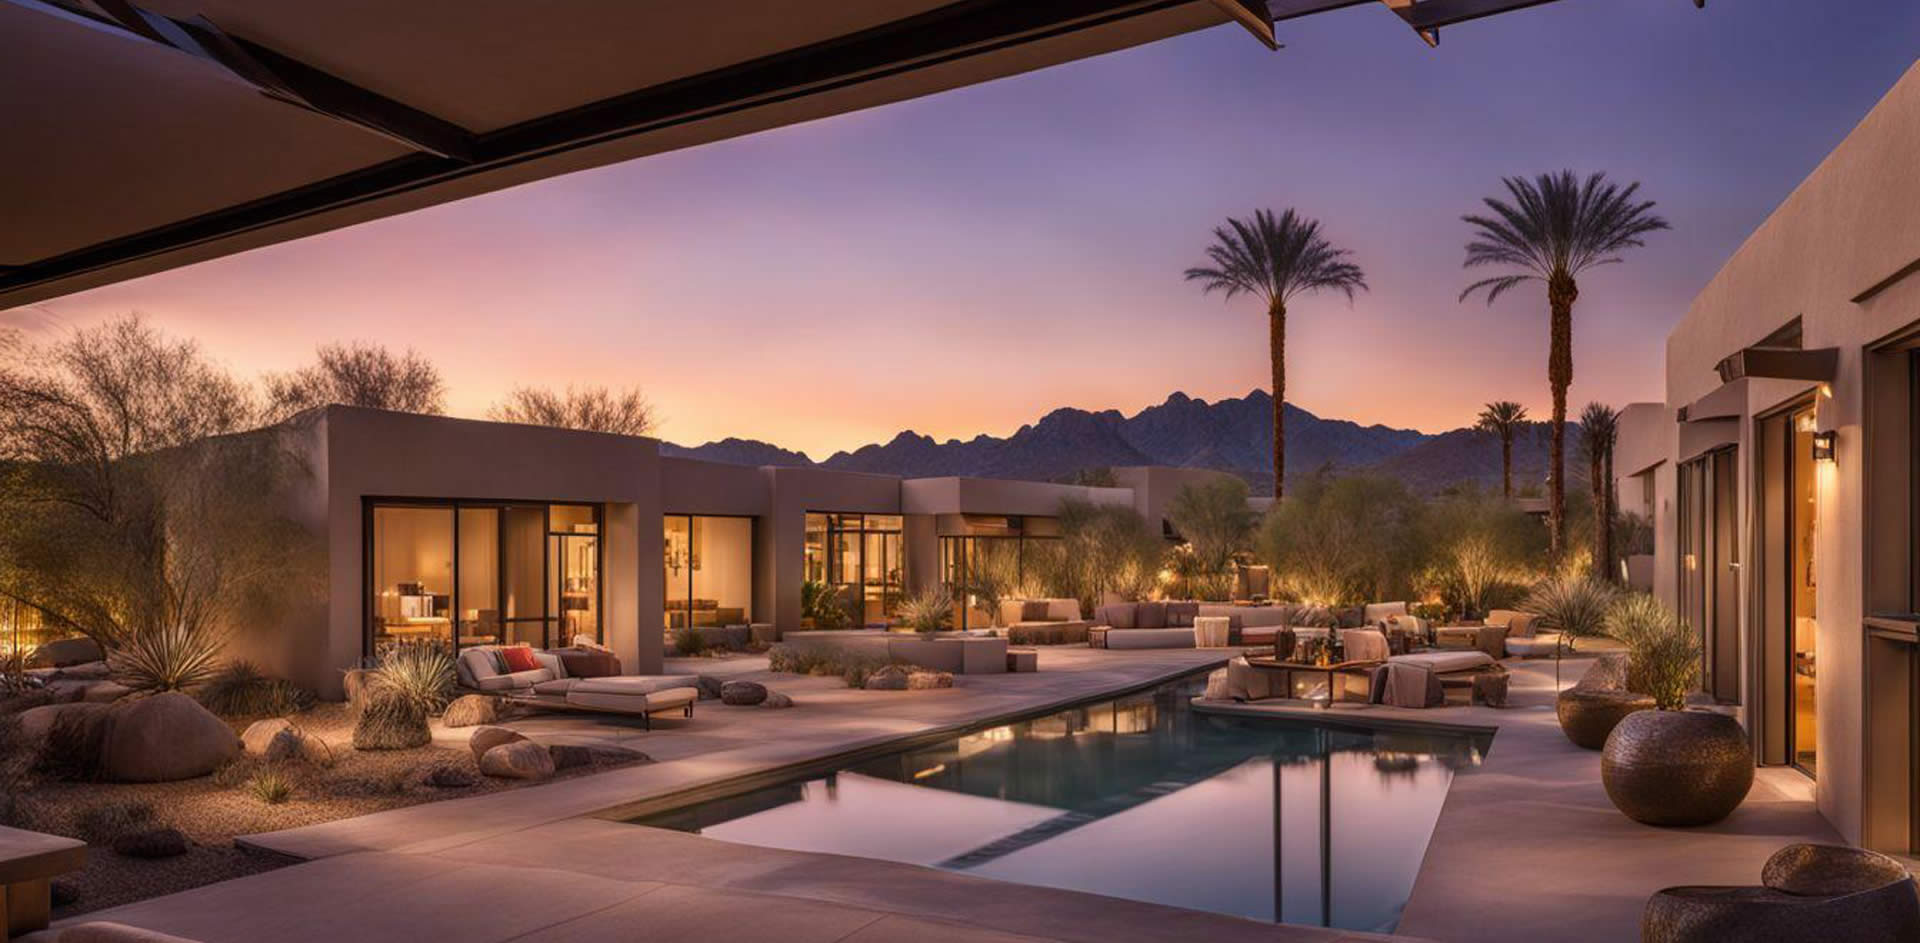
(486, 738)
(85, 671)
(928, 680)
(709, 687)
(391, 722)
(37, 723)
(66, 651)
(888, 678)
(104, 692)
(470, 710)
(742, 693)
(776, 700)
(164, 738)
(567, 756)
(519, 759)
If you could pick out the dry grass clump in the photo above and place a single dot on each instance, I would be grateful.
(270, 786)
(239, 689)
(102, 822)
(419, 672)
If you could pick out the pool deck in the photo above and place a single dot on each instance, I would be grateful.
(532, 864)
(1528, 847)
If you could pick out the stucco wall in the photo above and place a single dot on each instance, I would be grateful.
(1851, 225)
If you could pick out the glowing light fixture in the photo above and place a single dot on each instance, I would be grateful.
(1823, 446)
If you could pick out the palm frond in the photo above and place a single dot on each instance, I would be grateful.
(1275, 258)
(1557, 226)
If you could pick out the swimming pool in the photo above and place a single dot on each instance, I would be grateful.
(1139, 797)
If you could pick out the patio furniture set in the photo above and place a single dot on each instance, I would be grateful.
(580, 678)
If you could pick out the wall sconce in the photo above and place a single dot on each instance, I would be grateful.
(1823, 446)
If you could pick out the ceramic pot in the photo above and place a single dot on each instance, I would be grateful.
(1677, 767)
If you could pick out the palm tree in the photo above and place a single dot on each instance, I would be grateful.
(1274, 260)
(1555, 228)
(1599, 432)
(1503, 419)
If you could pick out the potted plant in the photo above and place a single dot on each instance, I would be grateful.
(1670, 765)
(1573, 607)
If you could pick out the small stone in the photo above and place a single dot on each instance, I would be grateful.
(928, 680)
(152, 843)
(567, 756)
(449, 777)
(486, 738)
(742, 693)
(518, 759)
(709, 687)
(776, 700)
(888, 678)
(470, 710)
(260, 736)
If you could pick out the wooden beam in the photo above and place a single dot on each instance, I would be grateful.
(1253, 15)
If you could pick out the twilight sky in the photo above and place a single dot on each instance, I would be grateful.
(964, 263)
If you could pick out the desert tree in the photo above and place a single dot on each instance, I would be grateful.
(1599, 433)
(1552, 229)
(1214, 520)
(1275, 259)
(1503, 419)
(593, 408)
(357, 375)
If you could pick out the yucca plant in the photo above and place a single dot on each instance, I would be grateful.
(928, 611)
(239, 689)
(1663, 654)
(171, 656)
(1574, 607)
(420, 672)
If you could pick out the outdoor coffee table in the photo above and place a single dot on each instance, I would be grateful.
(1332, 671)
(29, 861)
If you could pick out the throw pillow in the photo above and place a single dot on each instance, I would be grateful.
(1033, 610)
(1180, 614)
(1150, 615)
(519, 658)
(1119, 615)
(1352, 617)
(589, 663)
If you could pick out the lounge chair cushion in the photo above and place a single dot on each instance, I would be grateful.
(630, 703)
(513, 682)
(1364, 645)
(634, 684)
(1118, 615)
(1150, 615)
(1446, 662)
(1180, 614)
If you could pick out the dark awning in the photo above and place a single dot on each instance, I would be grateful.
(1781, 363)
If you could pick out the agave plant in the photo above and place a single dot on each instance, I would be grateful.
(929, 610)
(420, 672)
(1663, 654)
(170, 656)
(1574, 607)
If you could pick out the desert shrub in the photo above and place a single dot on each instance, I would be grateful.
(1663, 653)
(170, 656)
(687, 641)
(270, 786)
(1481, 552)
(1574, 606)
(102, 822)
(1340, 540)
(992, 575)
(420, 672)
(391, 721)
(821, 602)
(1215, 525)
(235, 772)
(929, 610)
(852, 669)
(1103, 548)
(238, 689)
(73, 745)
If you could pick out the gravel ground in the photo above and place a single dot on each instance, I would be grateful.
(212, 810)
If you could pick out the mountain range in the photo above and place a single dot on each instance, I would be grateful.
(1234, 435)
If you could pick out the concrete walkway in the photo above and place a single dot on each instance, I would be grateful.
(1528, 847)
(529, 865)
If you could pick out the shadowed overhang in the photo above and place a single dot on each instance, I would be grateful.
(145, 137)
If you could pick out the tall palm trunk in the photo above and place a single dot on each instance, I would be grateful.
(1506, 462)
(1277, 351)
(1561, 294)
(1613, 507)
(1602, 520)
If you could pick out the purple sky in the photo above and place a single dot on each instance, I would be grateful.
(963, 263)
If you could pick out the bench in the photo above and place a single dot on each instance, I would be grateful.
(29, 861)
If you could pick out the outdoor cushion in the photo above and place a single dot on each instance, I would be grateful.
(1150, 615)
(519, 658)
(1349, 617)
(514, 681)
(1446, 662)
(588, 662)
(1403, 684)
(1063, 610)
(1382, 611)
(1181, 614)
(475, 665)
(1118, 615)
(1363, 645)
(1519, 624)
(1033, 610)
(1150, 638)
(634, 684)
(631, 702)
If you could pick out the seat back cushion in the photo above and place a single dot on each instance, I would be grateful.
(1150, 615)
(1117, 615)
(1382, 611)
(1063, 610)
(475, 666)
(1180, 614)
(1033, 610)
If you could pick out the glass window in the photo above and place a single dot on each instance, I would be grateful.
(573, 518)
(863, 556)
(1803, 519)
(412, 578)
(709, 571)
(479, 585)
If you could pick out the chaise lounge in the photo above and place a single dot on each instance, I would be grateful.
(548, 685)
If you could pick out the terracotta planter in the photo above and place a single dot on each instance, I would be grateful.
(1677, 767)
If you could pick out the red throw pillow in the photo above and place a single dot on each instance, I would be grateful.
(519, 658)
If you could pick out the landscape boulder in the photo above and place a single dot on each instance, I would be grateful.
(709, 687)
(152, 843)
(742, 693)
(888, 678)
(65, 652)
(164, 738)
(518, 759)
(104, 692)
(486, 738)
(470, 710)
(928, 680)
(449, 777)
(391, 722)
(776, 700)
(277, 739)
(85, 671)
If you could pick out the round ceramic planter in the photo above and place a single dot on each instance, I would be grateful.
(1677, 767)
(1587, 716)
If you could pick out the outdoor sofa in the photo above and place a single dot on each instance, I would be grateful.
(551, 686)
(1043, 621)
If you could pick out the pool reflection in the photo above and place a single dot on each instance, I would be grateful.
(1140, 798)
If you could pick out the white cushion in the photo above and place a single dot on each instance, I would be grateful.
(1444, 662)
(1381, 611)
(634, 684)
(631, 702)
(1066, 609)
(475, 666)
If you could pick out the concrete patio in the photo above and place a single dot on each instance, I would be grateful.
(1528, 847)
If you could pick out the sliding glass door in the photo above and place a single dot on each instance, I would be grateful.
(863, 556)
(709, 571)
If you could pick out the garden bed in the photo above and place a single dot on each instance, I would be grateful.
(212, 810)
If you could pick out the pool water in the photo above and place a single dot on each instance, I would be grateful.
(1140, 797)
